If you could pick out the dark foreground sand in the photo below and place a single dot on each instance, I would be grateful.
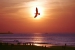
(32, 47)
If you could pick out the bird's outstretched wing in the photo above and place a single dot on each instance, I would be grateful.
(35, 16)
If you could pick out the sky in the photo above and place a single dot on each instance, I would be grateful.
(56, 16)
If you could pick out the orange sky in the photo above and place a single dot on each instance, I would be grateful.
(58, 16)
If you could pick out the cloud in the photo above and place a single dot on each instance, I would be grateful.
(10, 3)
(11, 6)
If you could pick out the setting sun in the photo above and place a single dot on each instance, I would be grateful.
(56, 16)
(33, 9)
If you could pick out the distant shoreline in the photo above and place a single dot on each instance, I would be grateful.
(6, 33)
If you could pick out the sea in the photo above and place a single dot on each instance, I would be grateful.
(40, 38)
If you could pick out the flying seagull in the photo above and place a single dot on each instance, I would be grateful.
(36, 14)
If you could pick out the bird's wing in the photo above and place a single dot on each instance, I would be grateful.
(35, 16)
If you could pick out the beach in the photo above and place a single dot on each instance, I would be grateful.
(6, 46)
(37, 41)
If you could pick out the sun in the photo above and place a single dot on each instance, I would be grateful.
(33, 10)
(39, 11)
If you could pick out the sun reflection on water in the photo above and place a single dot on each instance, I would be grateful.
(44, 45)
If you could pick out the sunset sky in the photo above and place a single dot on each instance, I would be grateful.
(56, 16)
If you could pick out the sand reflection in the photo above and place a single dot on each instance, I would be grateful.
(44, 45)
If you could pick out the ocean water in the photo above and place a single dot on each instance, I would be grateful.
(55, 39)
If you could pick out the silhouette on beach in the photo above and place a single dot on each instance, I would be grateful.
(18, 46)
